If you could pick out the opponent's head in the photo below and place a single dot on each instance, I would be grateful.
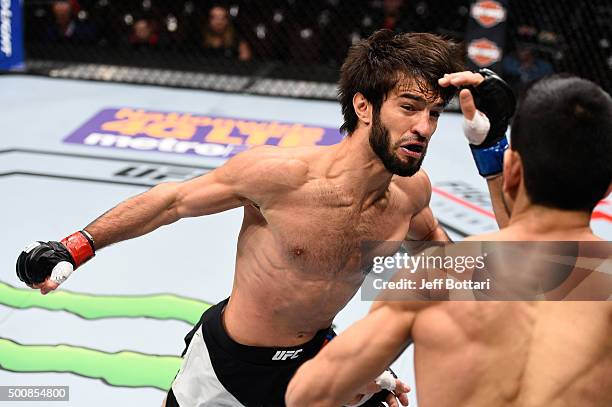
(389, 86)
(561, 145)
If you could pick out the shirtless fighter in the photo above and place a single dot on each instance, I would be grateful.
(502, 353)
(306, 212)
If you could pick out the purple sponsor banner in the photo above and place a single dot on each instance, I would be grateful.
(186, 133)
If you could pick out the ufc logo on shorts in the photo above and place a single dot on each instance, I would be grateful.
(286, 354)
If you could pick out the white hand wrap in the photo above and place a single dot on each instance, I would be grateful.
(385, 381)
(61, 272)
(476, 130)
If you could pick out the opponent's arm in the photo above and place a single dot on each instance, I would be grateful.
(487, 104)
(502, 216)
(355, 358)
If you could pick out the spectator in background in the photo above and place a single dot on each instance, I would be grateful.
(523, 67)
(219, 37)
(144, 34)
(66, 28)
(392, 11)
(404, 16)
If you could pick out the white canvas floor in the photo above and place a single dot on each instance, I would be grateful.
(51, 188)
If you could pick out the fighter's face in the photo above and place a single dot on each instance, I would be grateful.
(401, 132)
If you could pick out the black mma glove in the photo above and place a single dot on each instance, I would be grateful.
(495, 99)
(56, 260)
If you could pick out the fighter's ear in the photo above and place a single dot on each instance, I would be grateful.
(363, 108)
(513, 171)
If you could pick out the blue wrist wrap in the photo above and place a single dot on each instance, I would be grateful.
(490, 160)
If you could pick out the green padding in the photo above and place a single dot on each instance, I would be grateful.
(125, 369)
(89, 306)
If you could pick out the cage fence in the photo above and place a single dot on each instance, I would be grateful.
(294, 47)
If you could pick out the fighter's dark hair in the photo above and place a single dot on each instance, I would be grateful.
(374, 66)
(563, 133)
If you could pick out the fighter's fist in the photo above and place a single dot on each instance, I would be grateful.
(46, 265)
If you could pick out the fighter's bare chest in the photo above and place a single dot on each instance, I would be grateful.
(333, 229)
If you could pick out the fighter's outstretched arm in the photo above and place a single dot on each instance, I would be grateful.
(159, 206)
(164, 204)
(354, 359)
(252, 176)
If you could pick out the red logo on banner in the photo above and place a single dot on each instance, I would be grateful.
(488, 13)
(484, 52)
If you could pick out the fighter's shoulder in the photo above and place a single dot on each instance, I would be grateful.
(417, 188)
(419, 181)
(269, 162)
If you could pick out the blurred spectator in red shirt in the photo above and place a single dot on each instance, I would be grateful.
(66, 28)
(399, 16)
(392, 12)
(219, 36)
(144, 34)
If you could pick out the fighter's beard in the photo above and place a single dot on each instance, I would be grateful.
(380, 143)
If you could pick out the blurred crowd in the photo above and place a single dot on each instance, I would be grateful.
(543, 36)
(548, 36)
(312, 31)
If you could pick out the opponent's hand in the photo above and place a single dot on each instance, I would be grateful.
(466, 80)
(368, 396)
(476, 124)
(45, 265)
(461, 79)
(488, 103)
(399, 394)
